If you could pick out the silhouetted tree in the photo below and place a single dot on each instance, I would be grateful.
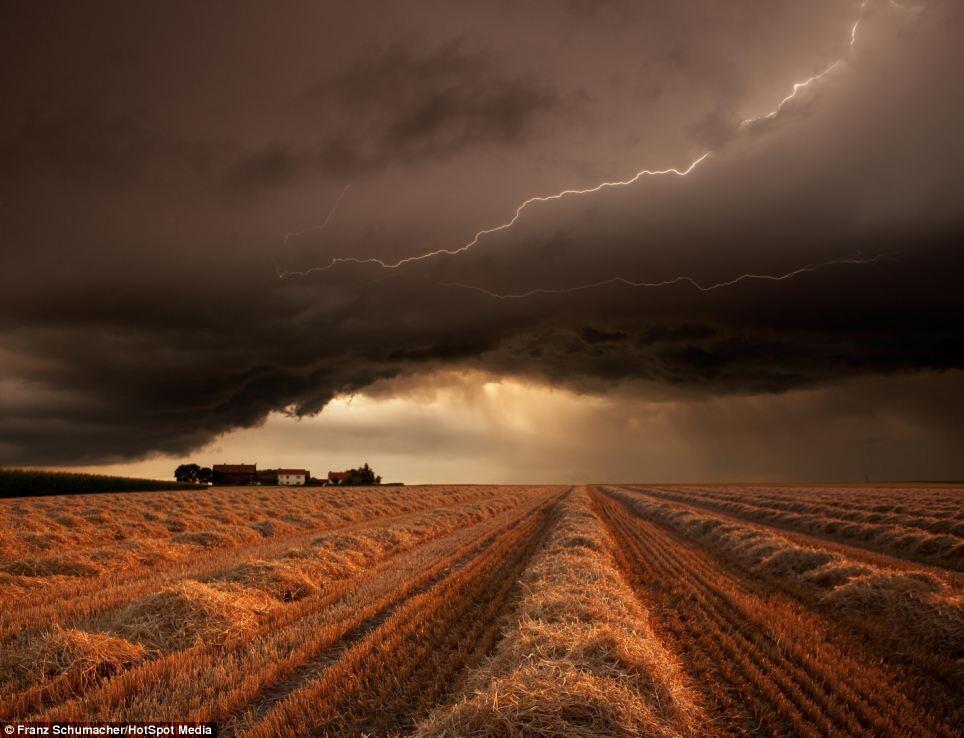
(188, 473)
(362, 477)
(205, 475)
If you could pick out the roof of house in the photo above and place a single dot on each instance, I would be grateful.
(235, 468)
(303, 472)
(337, 475)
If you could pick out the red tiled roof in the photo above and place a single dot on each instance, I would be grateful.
(303, 472)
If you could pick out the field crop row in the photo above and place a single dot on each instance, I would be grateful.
(399, 670)
(56, 546)
(766, 665)
(910, 610)
(580, 659)
(917, 536)
(192, 615)
(223, 682)
(83, 598)
(932, 501)
(505, 612)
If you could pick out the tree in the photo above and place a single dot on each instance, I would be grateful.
(362, 477)
(205, 475)
(187, 473)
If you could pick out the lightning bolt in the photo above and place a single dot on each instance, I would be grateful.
(321, 226)
(797, 88)
(503, 226)
(804, 84)
(682, 279)
(310, 229)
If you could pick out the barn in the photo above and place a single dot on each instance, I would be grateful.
(234, 474)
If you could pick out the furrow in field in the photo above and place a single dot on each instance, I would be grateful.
(67, 543)
(82, 596)
(856, 554)
(933, 502)
(216, 683)
(396, 672)
(909, 616)
(580, 658)
(857, 522)
(99, 597)
(942, 515)
(266, 628)
(925, 540)
(119, 523)
(767, 667)
(361, 617)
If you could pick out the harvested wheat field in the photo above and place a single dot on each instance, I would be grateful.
(445, 611)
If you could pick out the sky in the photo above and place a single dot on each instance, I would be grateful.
(307, 237)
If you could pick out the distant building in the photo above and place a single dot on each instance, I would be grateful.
(232, 474)
(292, 477)
(267, 477)
(337, 477)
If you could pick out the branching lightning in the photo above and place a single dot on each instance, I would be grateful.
(798, 87)
(311, 229)
(804, 84)
(683, 279)
(324, 224)
(503, 226)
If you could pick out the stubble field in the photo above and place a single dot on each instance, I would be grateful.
(489, 611)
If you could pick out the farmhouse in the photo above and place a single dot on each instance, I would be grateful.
(337, 477)
(292, 477)
(234, 474)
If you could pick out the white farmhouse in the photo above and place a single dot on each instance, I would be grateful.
(292, 477)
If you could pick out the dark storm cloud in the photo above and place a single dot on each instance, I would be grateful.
(595, 335)
(409, 106)
(91, 149)
(144, 314)
(272, 167)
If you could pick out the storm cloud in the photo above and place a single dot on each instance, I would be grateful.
(150, 173)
